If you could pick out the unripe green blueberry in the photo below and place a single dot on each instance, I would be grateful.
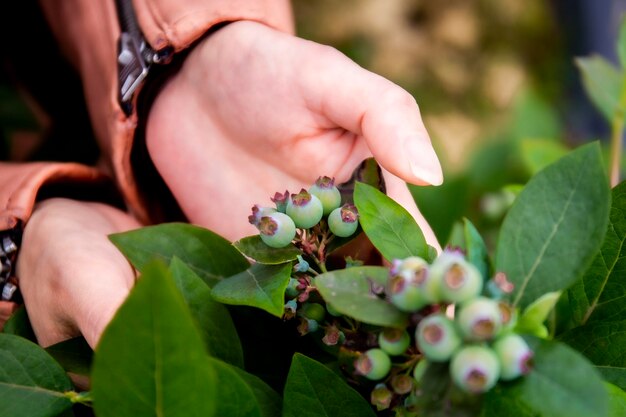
(475, 369)
(514, 354)
(459, 280)
(373, 364)
(313, 325)
(410, 287)
(325, 189)
(479, 319)
(509, 316)
(381, 397)
(437, 337)
(402, 384)
(305, 209)
(277, 230)
(302, 265)
(420, 370)
(343, 221)
(394, 341)
(292, 288)
(291, 305)
(313, 311)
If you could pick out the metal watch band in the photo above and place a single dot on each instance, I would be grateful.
(134, 56)
(9, 247)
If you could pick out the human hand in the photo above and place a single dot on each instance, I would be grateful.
(72, 278)
(254, 111)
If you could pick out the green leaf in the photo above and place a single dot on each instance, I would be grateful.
(32, 383)
(261, 286)
(209, 255)
(617, 400)
(533, 317)
(562, 383)
(216, 325)
(270, 403)
(539, 153)
(19, 325)
(235, 397)
(604, 344)
(476, 248)
(391, 229)
(74, 355)
(603, 84)
(498, 403)
(253, 247)
(466, 237)
(312, 390)
(600, 295)
(151, 359)
(349, 291)
(616, 376)
(556, 225)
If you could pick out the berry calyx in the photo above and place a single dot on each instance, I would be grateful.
(437, 337)
(394, 341)
(258, 212)
(325, 189)
(475, 369)
(480, 319)
(281, 201)
(305, 209)
(373, 364)
(459, 280)
(276, 229)
(514, 354)
(343, 221)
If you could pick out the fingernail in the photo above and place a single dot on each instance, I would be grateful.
(423, 160)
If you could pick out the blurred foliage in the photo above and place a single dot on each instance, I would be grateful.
(489, 76)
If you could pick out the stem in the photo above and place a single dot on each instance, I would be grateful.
(83, 397)
(617, 132)
(617, 129)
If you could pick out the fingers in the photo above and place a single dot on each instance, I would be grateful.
(383, 113)
(72, 277)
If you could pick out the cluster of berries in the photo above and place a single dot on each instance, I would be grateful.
(277, 226)
(475, 333)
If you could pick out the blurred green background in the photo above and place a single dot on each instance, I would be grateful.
(495, 81)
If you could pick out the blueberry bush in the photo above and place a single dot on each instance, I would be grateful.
(339, 307)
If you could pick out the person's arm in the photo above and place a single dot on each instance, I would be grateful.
(88, 33)
(252, 110)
